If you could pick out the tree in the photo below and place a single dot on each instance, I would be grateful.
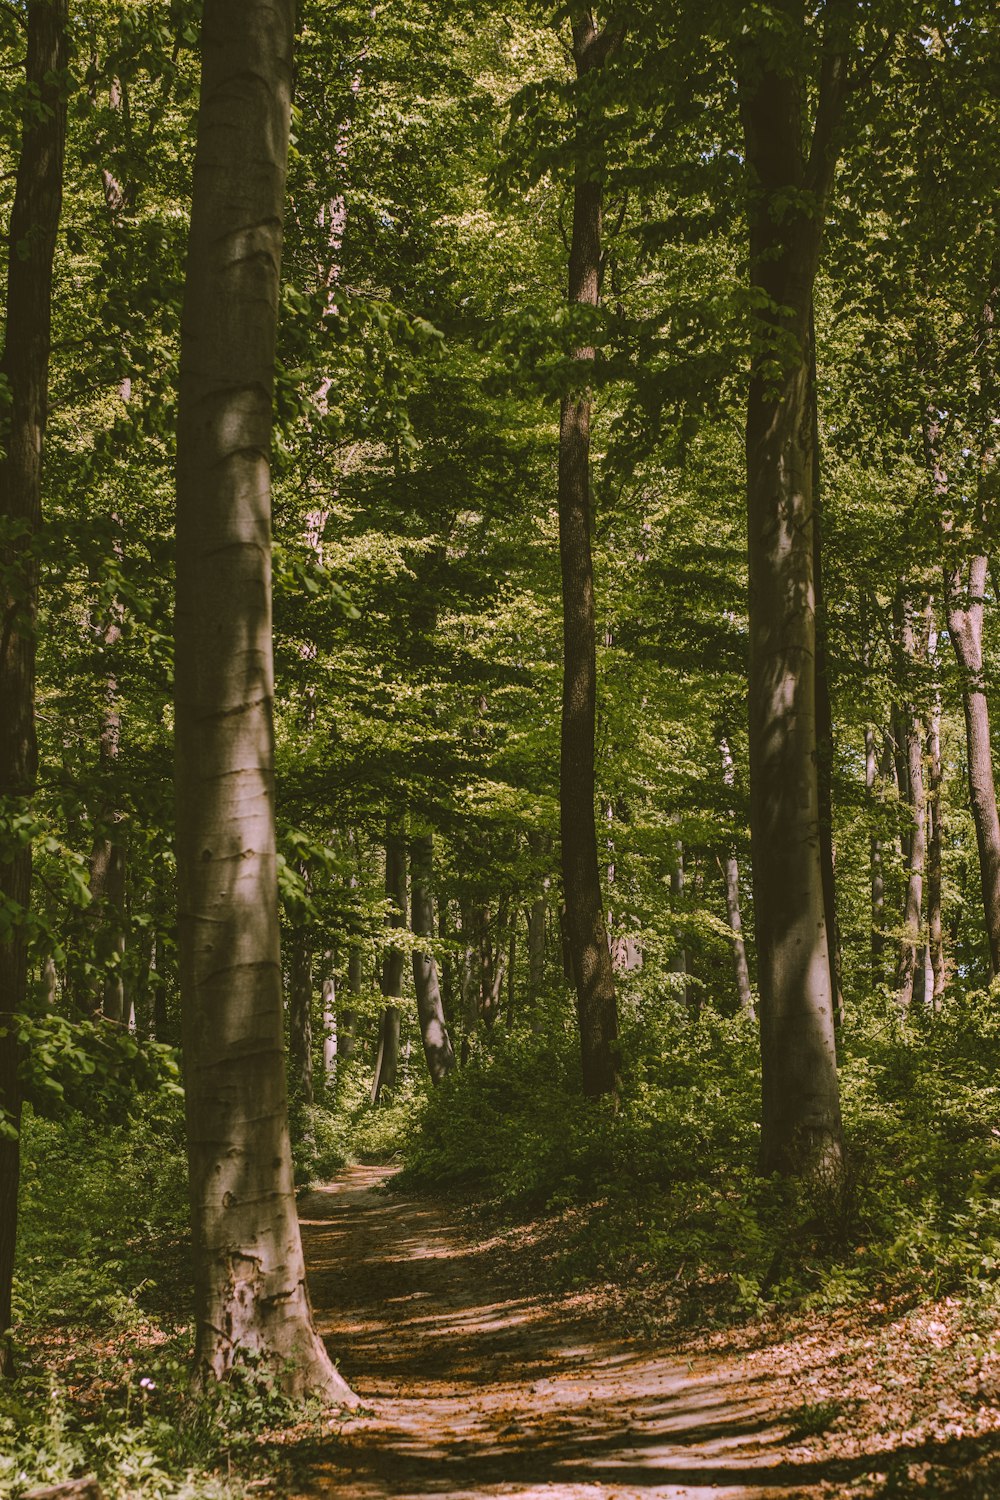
(789, 181)
(251, 1296)
(588, 938)
(24, 376)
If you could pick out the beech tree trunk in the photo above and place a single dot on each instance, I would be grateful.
(590, 956)
(911, 944)
(331, 1037)
(251, 1300)
(300, 978)
(387, 1059)
(678, 963)
(801, 1125)
(935, 841)
(964, 593)
(24, 367)
(731, 872)
(433, 1030)
(877, 875)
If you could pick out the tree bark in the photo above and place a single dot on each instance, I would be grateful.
(801, 1125)
(935, 842)
(25, 368)
(678, 963)
(387, 1059)
(911, 941)
(731, 871)
(300, 977)
(964, 591)
(251, 1300)
(593, 975)
(433, 1030)
(877, 874)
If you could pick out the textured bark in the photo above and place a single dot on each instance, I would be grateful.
(911, 943)
(251, 1299)
(25, 368)
(387, 1058)
(590, 957)
(801, 1127)
(433, 1031)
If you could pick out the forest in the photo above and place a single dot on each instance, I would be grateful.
(499, 845)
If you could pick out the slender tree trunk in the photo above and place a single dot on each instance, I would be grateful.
(877, 875)
(539, 845)
(678, 963)
(433, 1030)
(24, 367)
(964, 591)
(331, 1037)
(300, 978)
(824, 715)
(731, 872)
(935, 843)
(251, 1300)
(387, 1060)
(588, 940)
(911, 941)
(801, 1126)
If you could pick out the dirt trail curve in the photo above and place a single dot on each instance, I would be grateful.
(479, 1391)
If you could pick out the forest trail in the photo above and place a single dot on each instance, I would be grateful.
(476, 1390)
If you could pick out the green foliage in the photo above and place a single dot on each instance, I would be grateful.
(103, 1222)
(662, 1192)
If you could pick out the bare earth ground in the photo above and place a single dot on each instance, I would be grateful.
(475, 1389)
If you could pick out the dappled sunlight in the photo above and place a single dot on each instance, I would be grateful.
(473, 1388)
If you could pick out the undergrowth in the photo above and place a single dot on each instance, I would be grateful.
(661, 1192)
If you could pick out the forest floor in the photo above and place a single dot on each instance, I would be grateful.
(473, 1387)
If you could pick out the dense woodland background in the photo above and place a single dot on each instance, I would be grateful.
(425, 343)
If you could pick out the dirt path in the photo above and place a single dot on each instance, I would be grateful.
(478, 1391)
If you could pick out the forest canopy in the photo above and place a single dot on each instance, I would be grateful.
(497, 610)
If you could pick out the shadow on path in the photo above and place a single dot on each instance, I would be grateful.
(475, 1390)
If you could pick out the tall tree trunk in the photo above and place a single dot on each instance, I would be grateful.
(877, 874)
(24, 367)
(964, 591)
(433, 1031)
(911, 941)
(935, 843)
(331, 1038)
(824, 712)
(731, 872)
(590, 956)
(801, 1126)
(251, 1300)
(300, 977)
(387, 1059)
(539, 845)
(678, 963)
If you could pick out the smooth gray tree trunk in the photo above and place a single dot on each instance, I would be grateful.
(251, 1301)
